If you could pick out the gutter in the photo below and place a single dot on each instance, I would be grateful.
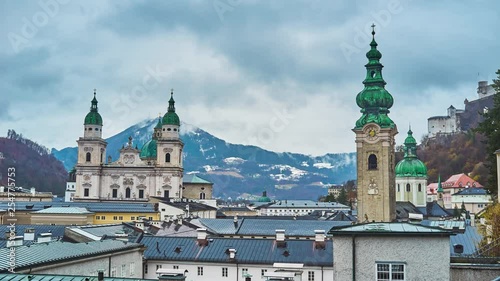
(354, 258)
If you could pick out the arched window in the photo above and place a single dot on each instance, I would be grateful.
(127, 192)
(372, 162)
(167, 158)
(398, 187)
(87, 157)
(202, 195)
(419, 187)
(407, 187)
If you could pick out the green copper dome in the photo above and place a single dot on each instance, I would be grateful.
(93, 117)
(264, 198)
(374, 100)
(411, 166)
(171, 118)
(148, 150)
(159, 124)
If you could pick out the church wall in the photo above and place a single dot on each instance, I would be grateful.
(193, 190)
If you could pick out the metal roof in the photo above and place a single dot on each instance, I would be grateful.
(469, 239)
(96, 207)
(447, 224)
(385, 228)
(472, 191)
(193, 178)
(50, 277)
(55, 252)
(264, 227)
(304, 204)
(250, 251)
(64, 210)
(56, 230)
(432, 209)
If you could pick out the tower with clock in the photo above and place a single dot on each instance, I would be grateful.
(375, 132)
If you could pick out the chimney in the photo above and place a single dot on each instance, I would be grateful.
(139, 224)
(15, 241)
(280, 238)
(29, 234)
(232, 254)
(2, 188)
(319, 239)
(472, 219)
(33, 191)
(100, 275)
(235, 221)
(44, 237)
(202, 236)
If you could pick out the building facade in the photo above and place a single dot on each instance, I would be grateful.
(154, 170)
(375, 142)
(411, 175)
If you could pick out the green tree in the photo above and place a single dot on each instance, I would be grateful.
(456, 212)
(490, 128)
(342, 199)
(489, 245)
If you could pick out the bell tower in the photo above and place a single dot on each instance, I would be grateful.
(375, 131)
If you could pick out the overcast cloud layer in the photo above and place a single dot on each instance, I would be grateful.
(282, 75)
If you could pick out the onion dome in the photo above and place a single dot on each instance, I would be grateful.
(171, 118)
(93, 117)
(374, 100)
(264, 197)
(411, 166)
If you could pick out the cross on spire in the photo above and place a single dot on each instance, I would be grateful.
(373, 30)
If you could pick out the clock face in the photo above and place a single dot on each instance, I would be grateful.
(372, 133)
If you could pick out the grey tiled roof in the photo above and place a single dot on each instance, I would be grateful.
(50, 277)
(251, 251)
(386, 228)
(48, 253)
(265, 227)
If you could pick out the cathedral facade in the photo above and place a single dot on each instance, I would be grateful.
(153, 171)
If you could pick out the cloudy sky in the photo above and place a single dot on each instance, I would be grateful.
(282, 75)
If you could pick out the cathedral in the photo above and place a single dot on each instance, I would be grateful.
(153, 171)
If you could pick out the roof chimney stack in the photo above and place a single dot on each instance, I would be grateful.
(29, 234)
(280, 238)
(319, 239)
(202, 236)
(44, 237)
(15, 241)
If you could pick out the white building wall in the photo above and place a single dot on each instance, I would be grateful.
(90, 266)
(70, 191)
(425, 258)
(416, 197)
(213, 271)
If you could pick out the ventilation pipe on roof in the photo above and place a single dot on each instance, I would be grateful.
(44, 237)
(15, 241)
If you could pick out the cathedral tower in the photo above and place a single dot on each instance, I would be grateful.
(91, 155)
(375, 133)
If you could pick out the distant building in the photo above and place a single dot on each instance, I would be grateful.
(473, 199)
(452, 185)
(196, 188)
(411, 175)
(70, 186)
(462, 120)
(298, 207)
(335, 190)
(24, 194)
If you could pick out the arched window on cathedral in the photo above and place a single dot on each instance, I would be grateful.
(127, 192)
(87, 157)
(408, 187)
(202, 195)
(372, 162)
(167, 158)
(419, 187)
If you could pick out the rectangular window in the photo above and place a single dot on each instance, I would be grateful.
(132, 218)
(146, 268)
(120, 218)
(150, 218)
(124, 269)
(103, 217)
(262, 272)
(86, 192)
(97, 217)
(113, 271)
(200, 270)
(224, 272)
(244, 271)
(176, 267)
(158, 266)
(115, 193)
(310, 276)
(132, 268)
(390, 271)
(115, 218)
(141, 193)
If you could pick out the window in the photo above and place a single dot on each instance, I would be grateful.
(166, 194)
(103, 217)
(146, 268)
(150, 218)
(158, 266)
(244, 271)
(175, 267)
(479, 205)
(408, 187)
(224, 272)
(372, 162)
(97, 217)
(115, 192)
(127, 192)
(113, 271)
(200, 270)
(86, 192)
(115, 218)
(132, 268)
(87, 157)
(419, 187)
(141, 193)
(398, 187)
(390, 271)
(167, 158)
(262, 272)
(120, 218)
(202, 195)
(310, 276)
(132, 218)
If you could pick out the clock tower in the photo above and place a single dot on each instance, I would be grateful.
(375, 133)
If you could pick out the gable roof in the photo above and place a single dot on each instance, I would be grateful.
(471, 191)
(51, 253)
(456, 181)
(433, 209)
(248, 251)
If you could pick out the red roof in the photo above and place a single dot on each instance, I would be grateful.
(456, 181)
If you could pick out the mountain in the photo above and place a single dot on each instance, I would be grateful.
(241, 170)
(34, 165)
